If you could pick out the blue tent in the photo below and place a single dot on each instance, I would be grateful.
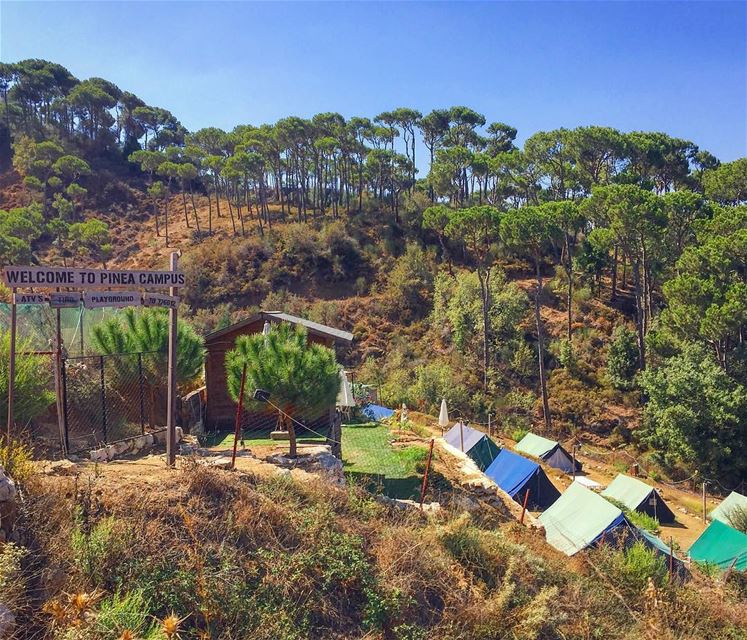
(516, 475)
(377, 412)
(476, 444)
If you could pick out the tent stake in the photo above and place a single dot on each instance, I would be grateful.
(524, 506)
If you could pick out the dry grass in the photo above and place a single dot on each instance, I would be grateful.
(231, 555)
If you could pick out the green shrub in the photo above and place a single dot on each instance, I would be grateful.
(17, 458)
(640, 520)
(737, 518)
(622, 358)
(12, 578)
(97, 549)
(125, 612)
(33, 395)
(632, 567)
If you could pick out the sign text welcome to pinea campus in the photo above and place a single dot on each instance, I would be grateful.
(46, 277)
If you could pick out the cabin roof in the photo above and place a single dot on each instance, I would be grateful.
(279, 316)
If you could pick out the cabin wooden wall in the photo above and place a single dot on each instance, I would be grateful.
(221, 409)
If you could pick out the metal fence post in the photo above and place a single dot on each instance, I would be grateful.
(66, 428)
(142, 392)
(103, 397)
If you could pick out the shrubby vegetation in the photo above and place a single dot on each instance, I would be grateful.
(488, 273)
(239, 556)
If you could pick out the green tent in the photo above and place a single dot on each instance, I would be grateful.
(733, 501)
(722, 546)
(638, 496)
(579, 518)
(549, 451)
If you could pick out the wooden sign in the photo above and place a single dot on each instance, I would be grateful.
(64, 300)
(24, 277)
(160, 300)
(29, 298)
(116, 299)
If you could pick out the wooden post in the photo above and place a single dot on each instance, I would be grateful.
(142, 391)
(61, 417)
(705, 521)
(574, 460)
(490, 428)
(171, 409)
(461, 434)
(80, 324)
(425, 475)
(239, 411)
(524, 506)
(104, 425)
(12, 363)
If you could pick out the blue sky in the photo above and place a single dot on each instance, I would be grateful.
(677, 67)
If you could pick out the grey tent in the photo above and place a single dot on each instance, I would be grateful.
(476, 444)
(549, 451)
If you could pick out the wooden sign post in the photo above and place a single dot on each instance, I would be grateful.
(12, 363)
(171, 415)
(96, 288)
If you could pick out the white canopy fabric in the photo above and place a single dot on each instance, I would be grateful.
(443, 417)
(588, 482)
(345, 395)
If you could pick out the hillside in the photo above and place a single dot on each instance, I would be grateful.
(240, 555)
(588, 285)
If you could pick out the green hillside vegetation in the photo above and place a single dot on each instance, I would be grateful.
(588, 282)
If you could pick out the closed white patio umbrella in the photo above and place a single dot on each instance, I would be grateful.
(345, 395)
(443, 417)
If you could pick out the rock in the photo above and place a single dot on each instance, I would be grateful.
(462, 501)
(7, 487)
(98, 455)
(7, 621)
(60, 467)
(221, 462)
(285, 473)
(121, 447)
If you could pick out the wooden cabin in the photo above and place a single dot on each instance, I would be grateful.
(220, 412)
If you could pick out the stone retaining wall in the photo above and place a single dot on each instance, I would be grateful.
(133, 445)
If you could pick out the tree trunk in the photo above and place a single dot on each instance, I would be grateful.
(184, 204)
(569, 294)
(210, 214)
(613, 295)
(155, 215)
(292, 444)
(194, 209)
(485, 295)
(639, 314)
(166, 218)
(217, 197)
(540, 348)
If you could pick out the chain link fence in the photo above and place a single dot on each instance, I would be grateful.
(111, 397)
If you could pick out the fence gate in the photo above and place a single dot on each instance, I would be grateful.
(110, 397)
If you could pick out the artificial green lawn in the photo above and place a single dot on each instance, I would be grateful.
(224, 440)
(369, 458)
